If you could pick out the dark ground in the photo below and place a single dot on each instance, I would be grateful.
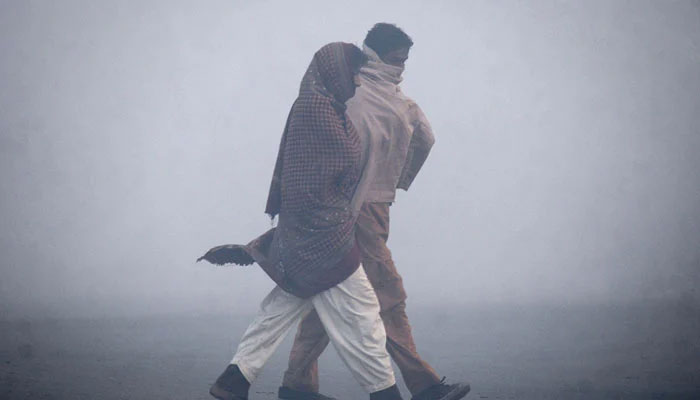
(649, 351)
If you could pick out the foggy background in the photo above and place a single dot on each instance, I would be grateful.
(137, 135)
(550, 246)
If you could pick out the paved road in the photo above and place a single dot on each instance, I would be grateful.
(564, 352)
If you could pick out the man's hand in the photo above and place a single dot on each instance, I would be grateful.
(228, 254)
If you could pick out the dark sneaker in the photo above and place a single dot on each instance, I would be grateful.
(230, 385)
(287, 393)
(443, 391)
(390, 393)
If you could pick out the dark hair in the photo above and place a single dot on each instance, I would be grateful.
(384, 37)
(354, 57)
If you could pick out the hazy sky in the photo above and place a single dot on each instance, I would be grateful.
(136, 135)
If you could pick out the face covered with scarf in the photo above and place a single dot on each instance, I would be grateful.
(396, 57)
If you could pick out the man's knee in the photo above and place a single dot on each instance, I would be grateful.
(395, 318)
(311, 329)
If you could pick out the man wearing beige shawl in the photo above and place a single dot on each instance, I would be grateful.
(397, 139)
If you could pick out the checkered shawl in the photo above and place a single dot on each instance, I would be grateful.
(315, 177)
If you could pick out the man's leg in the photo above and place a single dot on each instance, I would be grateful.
(278, 312)
(311, 339)
(419, 376)
(350, 314)
(372, 237)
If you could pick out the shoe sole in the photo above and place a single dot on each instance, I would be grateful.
(458, 392)
(222, 394)
(287, 398)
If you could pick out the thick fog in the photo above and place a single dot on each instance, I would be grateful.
(137, 135)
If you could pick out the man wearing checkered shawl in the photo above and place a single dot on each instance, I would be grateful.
(312, 254)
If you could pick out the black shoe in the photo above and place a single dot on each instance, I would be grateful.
(287, 393)
(230, 385)
(390, 393)
(443, 391)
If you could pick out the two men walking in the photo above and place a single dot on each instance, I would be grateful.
(334, 182)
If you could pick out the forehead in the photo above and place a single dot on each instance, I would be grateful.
(398, 53)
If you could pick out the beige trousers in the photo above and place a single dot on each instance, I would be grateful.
(349, 313)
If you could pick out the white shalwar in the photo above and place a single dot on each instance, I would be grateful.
(349, 312)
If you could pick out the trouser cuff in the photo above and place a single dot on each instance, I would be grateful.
(381, 386)
(247, 374)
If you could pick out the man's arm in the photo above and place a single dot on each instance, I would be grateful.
(419, 148)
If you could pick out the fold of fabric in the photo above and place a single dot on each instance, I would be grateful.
(314, 183)
(396, 135)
